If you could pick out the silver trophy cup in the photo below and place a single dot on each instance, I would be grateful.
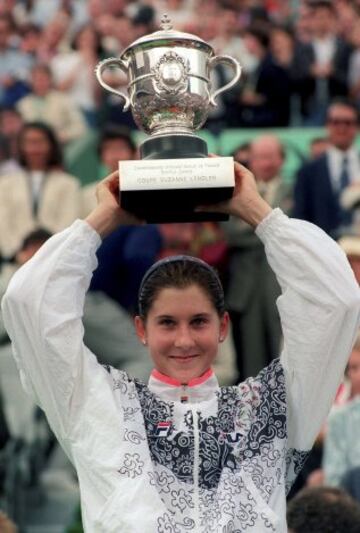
(170, 95)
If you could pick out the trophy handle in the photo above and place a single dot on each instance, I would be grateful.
(230, 62)
(115, 62)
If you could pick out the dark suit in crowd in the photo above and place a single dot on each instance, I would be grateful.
(315, 197)
(306, 85)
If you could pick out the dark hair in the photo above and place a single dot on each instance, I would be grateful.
(261, 33)
(38, 235)
(323, 510)
(345, 103)
(145, 15)
(98, 47)
(180, 272)
(55, 153)
(114, 132)
(321, 4)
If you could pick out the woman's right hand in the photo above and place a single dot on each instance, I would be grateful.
(108, 214)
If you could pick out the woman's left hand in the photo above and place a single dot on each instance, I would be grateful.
(246, 202)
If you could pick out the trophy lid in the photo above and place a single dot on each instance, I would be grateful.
(166, 34)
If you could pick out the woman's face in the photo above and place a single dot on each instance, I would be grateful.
(86, 39)
(182, 331)
(36, 148)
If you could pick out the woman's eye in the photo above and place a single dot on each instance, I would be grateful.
(167, 322)
(199, 321)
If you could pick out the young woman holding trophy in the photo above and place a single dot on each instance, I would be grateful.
(180, 453)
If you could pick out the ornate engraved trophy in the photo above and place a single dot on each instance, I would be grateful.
(169, 93)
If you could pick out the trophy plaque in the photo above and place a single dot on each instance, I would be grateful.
(169, 94)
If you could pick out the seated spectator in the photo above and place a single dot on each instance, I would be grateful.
(342, 442)
(321, 182)
(73, 72)
(115, 144)
(264, 101)
(322, 64)
(55, 37)
(41, 194)
(14, 66)
(11, 123)
(354, 65)
(323, 510)
(241, 154)
(52, 107)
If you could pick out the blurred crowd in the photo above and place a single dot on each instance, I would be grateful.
(296, 56)
(301, 67)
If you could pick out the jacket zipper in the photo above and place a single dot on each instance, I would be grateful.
(196, 469)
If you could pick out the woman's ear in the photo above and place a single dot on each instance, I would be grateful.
(224, 326)
(140, 329)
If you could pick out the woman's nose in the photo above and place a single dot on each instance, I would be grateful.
(184, 338)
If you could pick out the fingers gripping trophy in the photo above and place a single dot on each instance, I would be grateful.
(169, 93)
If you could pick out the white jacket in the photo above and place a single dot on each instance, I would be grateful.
(220, 463)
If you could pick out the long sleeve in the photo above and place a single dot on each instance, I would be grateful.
(319, 309)
(42, 311)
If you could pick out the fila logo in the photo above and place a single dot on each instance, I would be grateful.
(163, 429)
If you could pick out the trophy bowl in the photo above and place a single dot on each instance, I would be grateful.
(169, 92)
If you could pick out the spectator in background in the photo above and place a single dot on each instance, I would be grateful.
(302, 24)
(354, 64)
(252, 287)
(241, 154)
(320, 182)
(115, 144)
(323, 510)
(282, 45)
(41, 194)
(347, 14)
(228, 40)
(73, 72)
(10, 127)
(30, 40)
(46, 104)
(264, 101)
(322, 65)
(14, 66)
(342, 441)
(11, 124)
(55, 38)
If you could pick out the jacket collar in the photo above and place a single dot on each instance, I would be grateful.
(197, 390)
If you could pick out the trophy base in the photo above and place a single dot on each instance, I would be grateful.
(160, 188)
(173, 147)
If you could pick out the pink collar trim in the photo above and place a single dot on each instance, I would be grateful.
(175, 383)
